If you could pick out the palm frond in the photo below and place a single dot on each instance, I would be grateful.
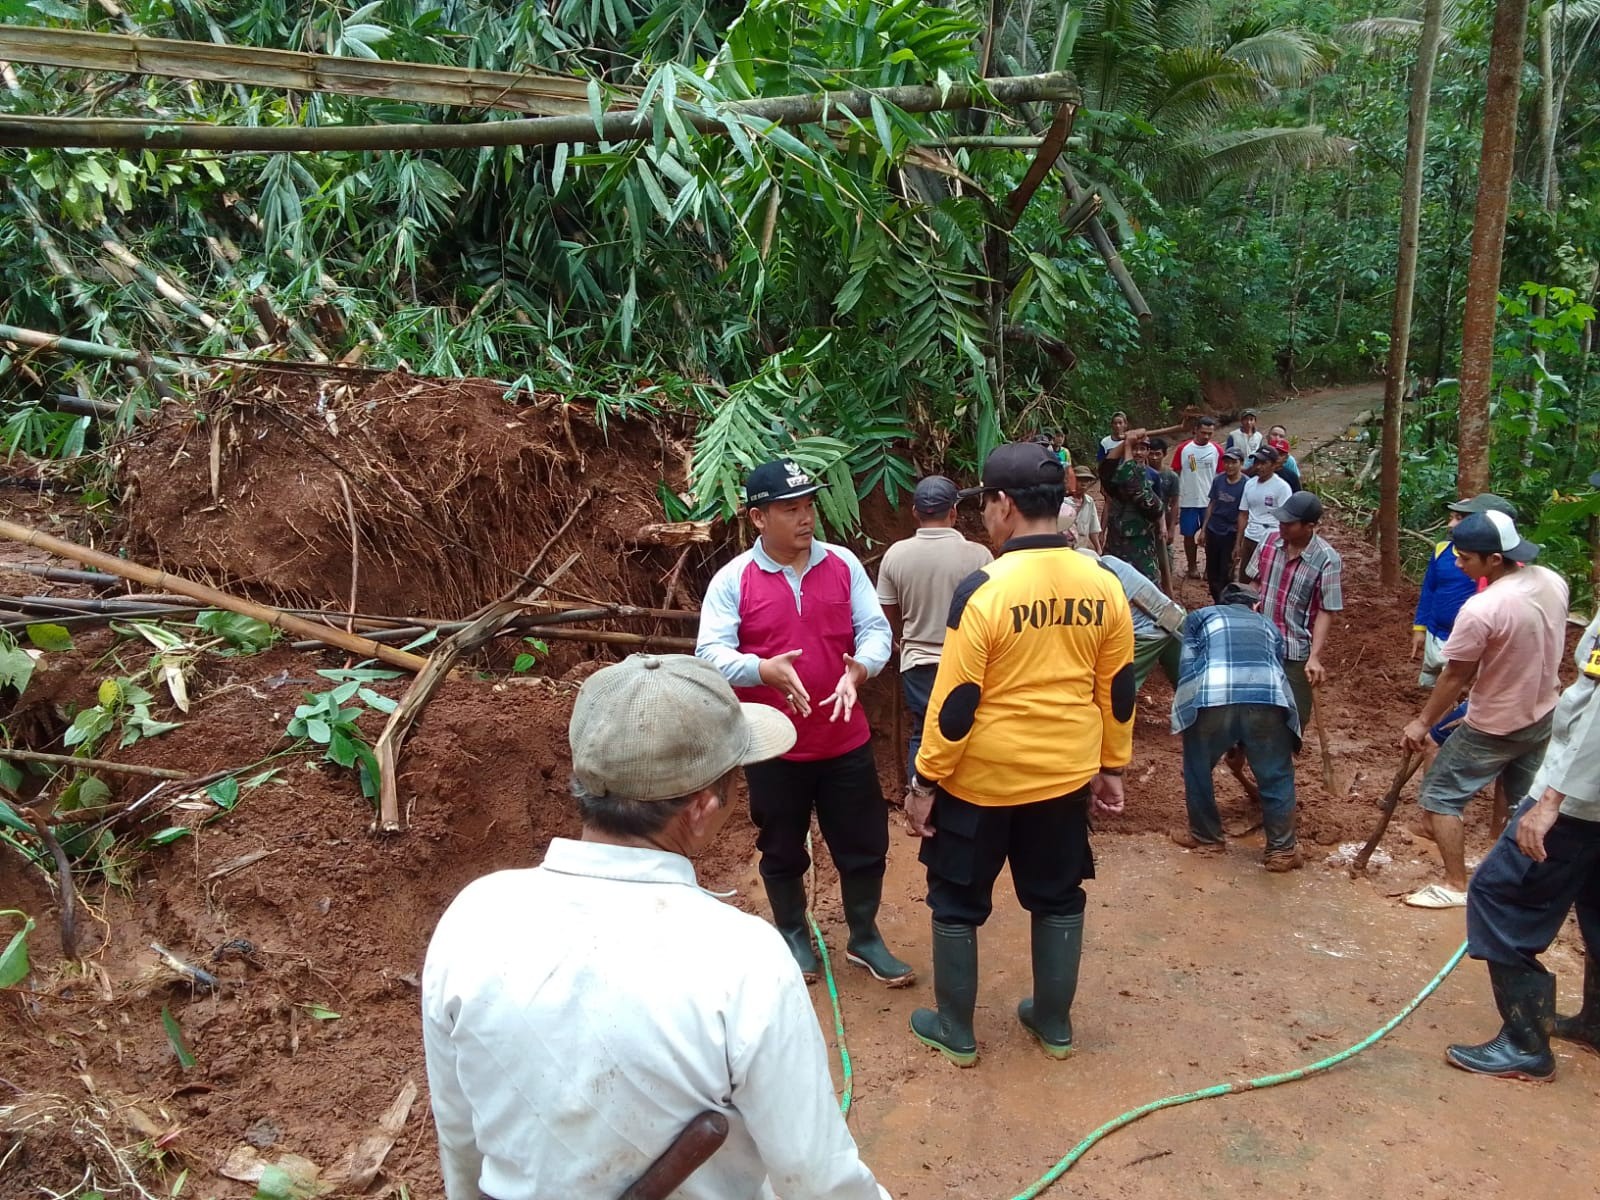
(1283, 57)
(1200, 162)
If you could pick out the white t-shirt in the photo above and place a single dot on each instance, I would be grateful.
(1197, 467)
(1261, 502)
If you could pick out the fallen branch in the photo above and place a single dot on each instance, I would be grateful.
(672, 533)
(69, 893)
(91, 764)
(485, 623)
(161, 580)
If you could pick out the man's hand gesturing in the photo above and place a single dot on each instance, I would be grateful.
(778, 672)
(843, 696)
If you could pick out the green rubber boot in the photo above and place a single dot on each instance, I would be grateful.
(955, 991)
(1521, 1050)
(788, 900)
(862, 894)
(1047, 1014)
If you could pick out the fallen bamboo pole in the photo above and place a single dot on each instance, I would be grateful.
(527, 91)
(161, 580)
(554, 633)
(39, 340)
(631, 126)
(91, 764)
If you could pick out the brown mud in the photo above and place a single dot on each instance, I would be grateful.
(1198, 971)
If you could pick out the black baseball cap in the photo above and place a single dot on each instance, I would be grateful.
(1484, 502)
(1017, 465)
(1238, 593)
(781, 479)
(1493, 533)
(1233, 452)
(1268, 452)
(1302, 506)
(935, 494)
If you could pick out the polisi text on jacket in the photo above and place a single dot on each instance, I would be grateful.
(1057, 610)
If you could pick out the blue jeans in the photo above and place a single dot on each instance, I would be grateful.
(1269, 746)
(916, 685)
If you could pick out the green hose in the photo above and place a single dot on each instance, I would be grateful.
(838, 1018)
(1072, 1156)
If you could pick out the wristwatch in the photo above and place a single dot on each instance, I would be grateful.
(1111, 771)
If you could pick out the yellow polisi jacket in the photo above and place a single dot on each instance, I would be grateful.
(1035, 691)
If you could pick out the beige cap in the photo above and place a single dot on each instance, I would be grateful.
(656, 727)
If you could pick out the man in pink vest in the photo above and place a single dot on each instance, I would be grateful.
(795, 623)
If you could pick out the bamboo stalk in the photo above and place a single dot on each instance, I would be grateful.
(91, 764)
(160, 580)
(86, 132)
(164, 287)
(526, 91)
(39, 340)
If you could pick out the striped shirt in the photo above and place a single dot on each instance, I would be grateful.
(1230, 656)
(1295, 590)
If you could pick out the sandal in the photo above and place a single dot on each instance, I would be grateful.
(1436, 895)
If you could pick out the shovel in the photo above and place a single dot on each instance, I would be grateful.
(1409, 762)
(699, 1140)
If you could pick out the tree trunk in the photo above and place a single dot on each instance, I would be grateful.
(1405, 285)
(1497, 163)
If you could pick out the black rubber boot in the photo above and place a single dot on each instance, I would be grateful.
(955, 991)
(1057, 949)
(862, 895)
(1521, 1050)
(788, 900)
(1584, 1028)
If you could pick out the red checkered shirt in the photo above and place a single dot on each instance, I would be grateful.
(1295, 590)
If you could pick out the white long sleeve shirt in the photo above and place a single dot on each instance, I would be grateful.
(1572, 761)
(576, 1016)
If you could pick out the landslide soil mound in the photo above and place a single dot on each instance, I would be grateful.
(446, 489)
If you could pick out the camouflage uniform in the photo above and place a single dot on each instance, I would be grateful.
(1133, 513)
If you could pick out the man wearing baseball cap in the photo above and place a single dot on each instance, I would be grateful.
(915, 583)
(1445, 588)
(1258, 507)
(1301, 578)
(795, 623)
(1506, 645)
(1219, 530)
(577, 1015)
(1030, 721)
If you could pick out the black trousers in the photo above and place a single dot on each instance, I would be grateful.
(1046, 843)
(844, 793)
(1515, 906)
(1219, 562)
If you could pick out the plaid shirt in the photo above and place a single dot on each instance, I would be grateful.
(1295, 590)
(1230, 656)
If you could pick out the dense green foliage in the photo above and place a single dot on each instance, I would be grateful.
(834, 290)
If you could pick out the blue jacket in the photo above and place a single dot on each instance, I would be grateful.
(1445, 588)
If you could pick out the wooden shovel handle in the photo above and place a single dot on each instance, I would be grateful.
(700, 1139)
